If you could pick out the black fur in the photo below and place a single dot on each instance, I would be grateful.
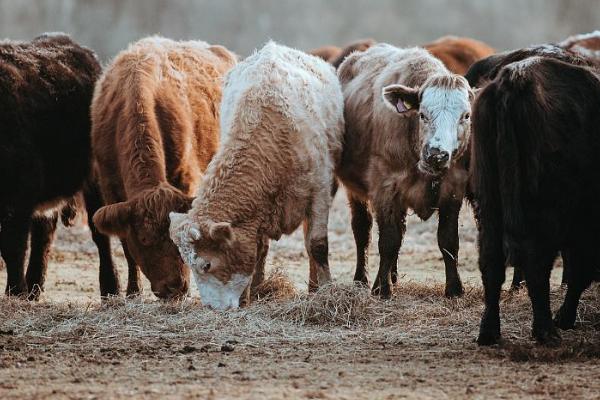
(46, 88)
(536, 181)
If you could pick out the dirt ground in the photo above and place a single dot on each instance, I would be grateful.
(338, 344)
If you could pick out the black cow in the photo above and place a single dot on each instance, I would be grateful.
(46, 89)
(535, 145)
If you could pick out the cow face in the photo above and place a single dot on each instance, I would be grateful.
(221, 263)
(143, 224)
(443, 108)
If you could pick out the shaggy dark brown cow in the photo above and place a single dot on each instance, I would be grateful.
(535, 142)
(407, 126)
(155, 127)
(458, 53)
(46, 88)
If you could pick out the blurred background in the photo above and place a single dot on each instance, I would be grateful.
(108, 26)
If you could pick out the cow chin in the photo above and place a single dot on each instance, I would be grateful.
(222, 296)
(431, 171)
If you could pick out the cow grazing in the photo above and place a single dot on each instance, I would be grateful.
(535, 140)
(458, 53)
(407, 127)
(47, 86)
(282, 117)
(154, 131)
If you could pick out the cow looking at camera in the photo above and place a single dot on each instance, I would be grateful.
(407, 128)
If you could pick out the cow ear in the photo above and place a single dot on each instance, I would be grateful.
(221, 232)
(113, 219)
(400, 98)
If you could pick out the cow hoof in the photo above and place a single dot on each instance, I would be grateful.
(488, 338)
(454, 290)
(383, 293)
(547, 337)
(564, 322)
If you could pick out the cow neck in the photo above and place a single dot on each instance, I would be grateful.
(145, 169)
(232, 192)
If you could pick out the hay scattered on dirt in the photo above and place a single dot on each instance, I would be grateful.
(276, 286)
(417, 315)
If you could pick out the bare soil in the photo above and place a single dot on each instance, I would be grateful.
(338, 344)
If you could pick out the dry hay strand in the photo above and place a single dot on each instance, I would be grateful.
(277, 286)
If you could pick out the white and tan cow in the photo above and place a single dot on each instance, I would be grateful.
(282, 127)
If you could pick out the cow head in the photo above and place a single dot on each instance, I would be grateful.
(143, 223)
(443, 106)
(221, 257)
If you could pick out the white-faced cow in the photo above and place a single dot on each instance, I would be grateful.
(282, 119)
(407, 127)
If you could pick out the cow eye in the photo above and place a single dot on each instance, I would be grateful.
(467, 116)
(423, 117)
(206, 267)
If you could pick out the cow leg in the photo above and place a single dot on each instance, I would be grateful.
(13, 246)
(493, 268)
(258, 277)
(537, 267)
(566, 267)
(448, 243)
(580, 276)
(43, 229)
(518, 278)
(315, 240)
(134, 287)
(362, 222)
(109, 276)
(392, 226)
(262, 251)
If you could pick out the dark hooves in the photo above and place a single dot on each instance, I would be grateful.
(547, 337)
(454, 290)
(381, 292)
(564, 322)
(488, 338)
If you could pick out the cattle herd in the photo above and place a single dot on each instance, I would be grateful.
(195, 160)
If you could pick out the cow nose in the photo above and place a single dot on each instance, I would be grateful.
(436, 157)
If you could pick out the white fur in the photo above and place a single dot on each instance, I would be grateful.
(444, 108)
(216, 294)
(519, 68)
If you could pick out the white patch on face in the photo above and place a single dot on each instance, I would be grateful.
(219, 295)
(444, 108)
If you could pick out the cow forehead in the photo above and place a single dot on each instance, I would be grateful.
(437, 99)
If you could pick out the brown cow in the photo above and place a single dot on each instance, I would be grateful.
(46, 88)
(326, 53)
(155, 127)
(407, 127)
(335, 55)
(458, 53)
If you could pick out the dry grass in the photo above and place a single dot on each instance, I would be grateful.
(417, 314)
